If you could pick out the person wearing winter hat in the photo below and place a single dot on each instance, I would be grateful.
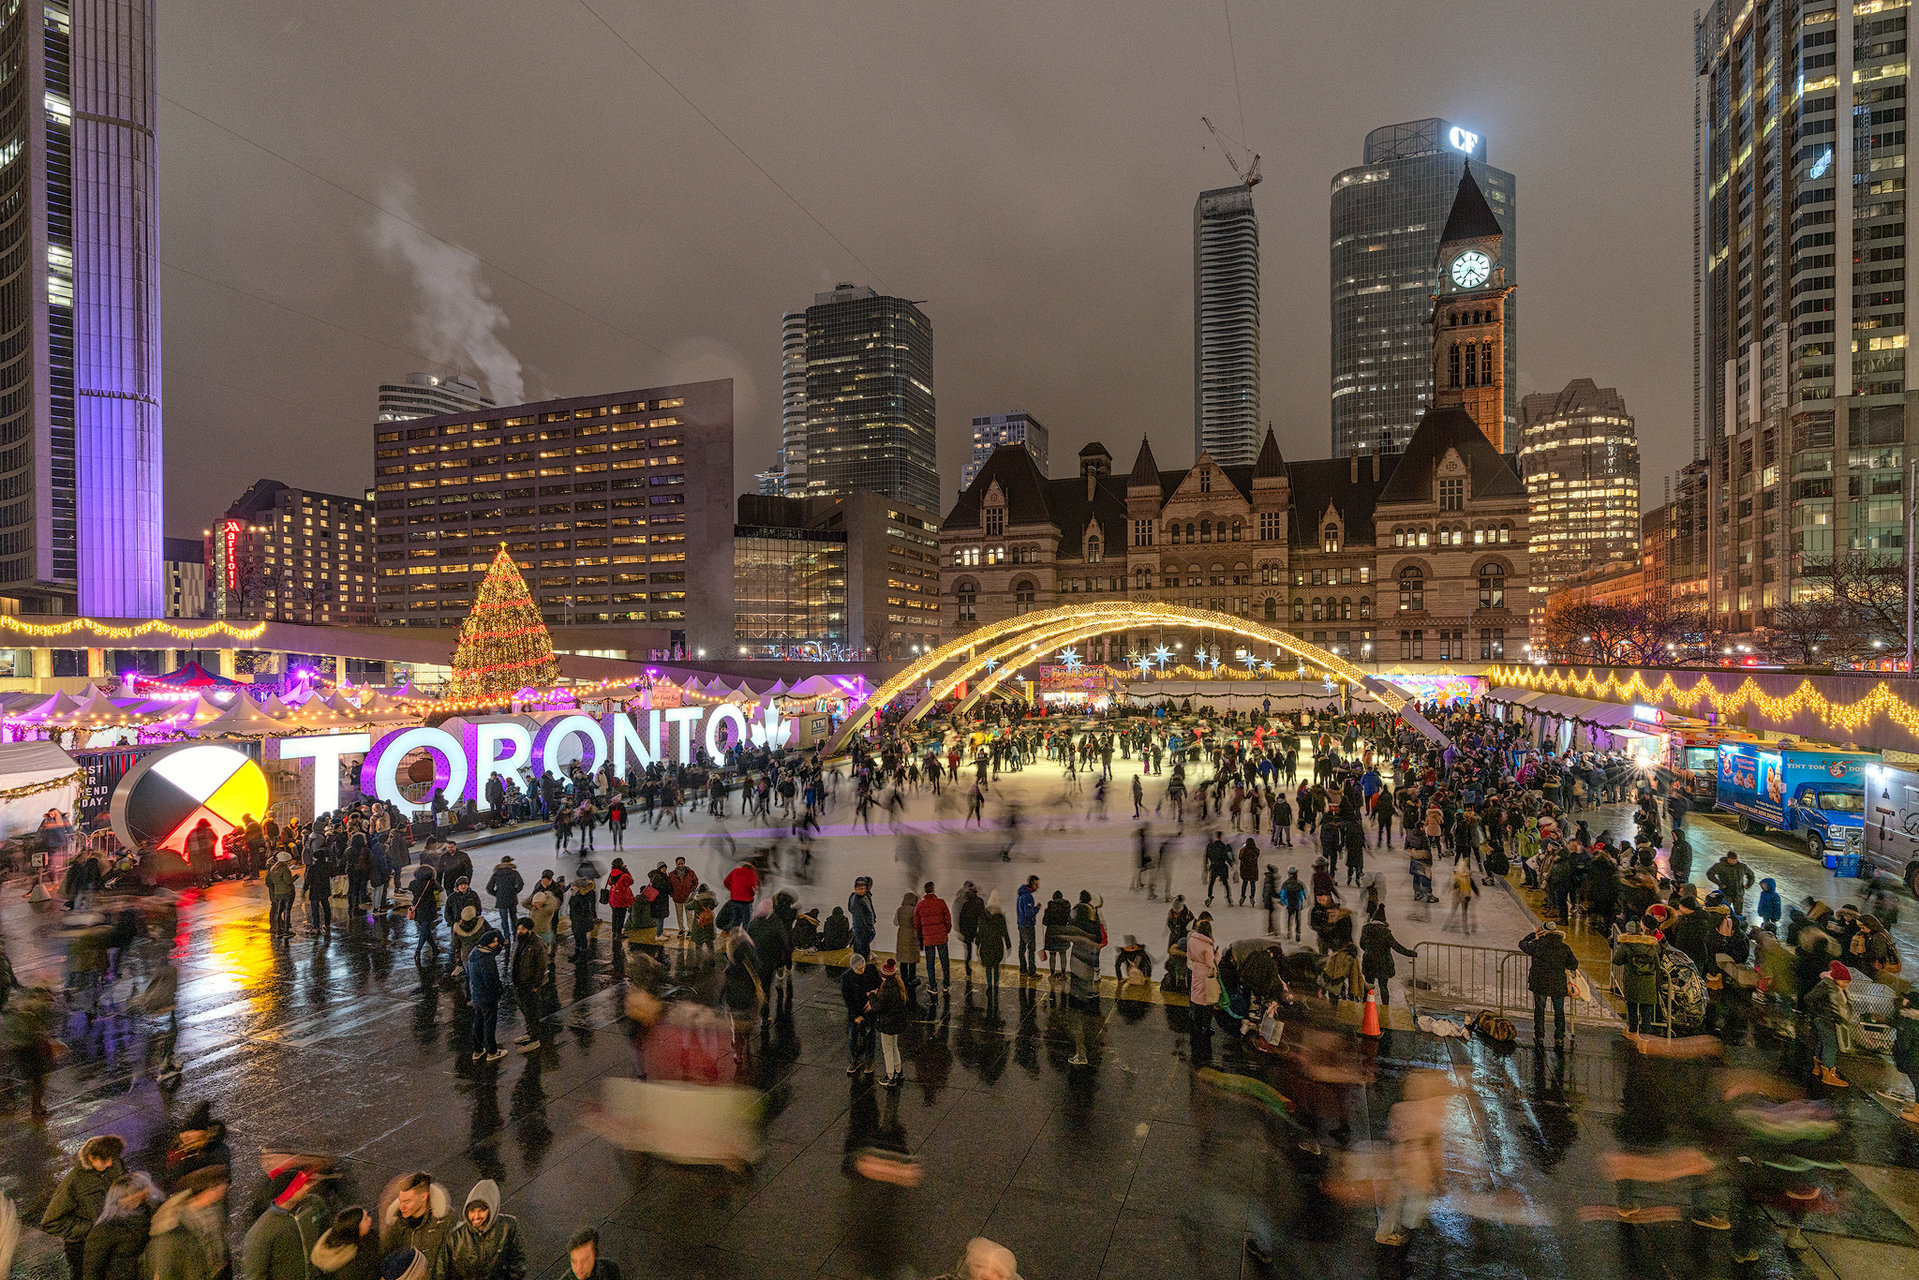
(486, 1245)
(275, 1247)
(467, 928)
(483, 990)
(404, 1263)
(890, 1010)
(1830, 1007)
(119, 1237)
(280, 888)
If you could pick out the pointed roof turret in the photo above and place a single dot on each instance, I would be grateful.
(1145, 470)
(1269, 463)
(1471, 218)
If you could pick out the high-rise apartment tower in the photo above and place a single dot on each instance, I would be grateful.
(1803, 389)
(1226, 421)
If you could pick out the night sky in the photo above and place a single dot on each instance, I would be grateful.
(1027, 168)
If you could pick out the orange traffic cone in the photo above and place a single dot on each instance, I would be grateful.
(1369, 1017)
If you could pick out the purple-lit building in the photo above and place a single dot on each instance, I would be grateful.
(80, 466)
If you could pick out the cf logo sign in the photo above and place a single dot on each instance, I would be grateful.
(1463, 140)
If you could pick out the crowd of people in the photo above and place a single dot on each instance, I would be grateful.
(713, 953)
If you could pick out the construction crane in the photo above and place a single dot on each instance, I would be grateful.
(1248, 176)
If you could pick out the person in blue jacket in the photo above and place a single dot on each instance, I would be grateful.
(1026, 916)
(1769, 905)
(483, 989)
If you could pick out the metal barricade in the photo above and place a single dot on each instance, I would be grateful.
(1460, 977)
(1457, 976)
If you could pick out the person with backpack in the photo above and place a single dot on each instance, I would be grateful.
(1636, 956)
(1292, 896)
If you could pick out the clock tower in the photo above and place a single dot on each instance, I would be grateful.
(1469, 314)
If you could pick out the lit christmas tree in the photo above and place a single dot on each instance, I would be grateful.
(504, 646)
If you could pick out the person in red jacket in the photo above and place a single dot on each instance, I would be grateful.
(933, 922)
(619, 896)
(742, 886)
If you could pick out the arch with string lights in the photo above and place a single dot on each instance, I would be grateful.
(1001, 648)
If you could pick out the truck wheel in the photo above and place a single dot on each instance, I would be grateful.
(1748, 826)
(1816, 846)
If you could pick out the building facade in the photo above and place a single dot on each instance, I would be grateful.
(1412, 556)
(789, 579)
(611, 504)
(1579, 455)
(861, 577)
(80, 420)
(1226, 299)
(869, 398)
(1418, 556)
(792, 463)
(427, 395)
(1387, 217)
(186, 568)
(1803, 392)
(282, 554)
(995, 429)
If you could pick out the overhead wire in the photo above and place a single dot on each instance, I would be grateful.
(1232, 52)
(371, 203)
(732, 142)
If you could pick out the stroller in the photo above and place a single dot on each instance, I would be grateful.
(1684, 991)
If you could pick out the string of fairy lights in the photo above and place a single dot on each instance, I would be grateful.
(153, 626)
(1848, 717)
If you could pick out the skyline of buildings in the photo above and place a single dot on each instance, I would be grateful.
(1579, 456)
(992, 430)
(1226, 318)
(1386, 218)
(80, 418)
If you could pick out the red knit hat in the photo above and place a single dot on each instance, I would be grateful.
(1838, 972)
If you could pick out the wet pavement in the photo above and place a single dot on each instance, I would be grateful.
(1129, 1166)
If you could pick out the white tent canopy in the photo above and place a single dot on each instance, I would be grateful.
(24, 764)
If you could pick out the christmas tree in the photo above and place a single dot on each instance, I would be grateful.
(504, 646)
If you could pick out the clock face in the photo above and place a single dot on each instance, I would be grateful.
(1471, 269)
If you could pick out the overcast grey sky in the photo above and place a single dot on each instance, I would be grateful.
(1027, 167)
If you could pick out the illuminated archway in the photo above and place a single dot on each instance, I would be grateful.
(995, 646)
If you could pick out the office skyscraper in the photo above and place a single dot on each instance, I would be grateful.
(1226, 421)
(869, 398)
(792, 464)
(427, 395)
(80, 466)
(1579, 455)
(1387, 216)
(995, 429)
(1801, 237)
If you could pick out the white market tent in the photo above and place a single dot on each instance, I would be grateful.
(47, 775)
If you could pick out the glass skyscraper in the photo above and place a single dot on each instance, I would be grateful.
(1801, 235)
(1226, 420)
(80, 477)
(869, 398)
(1579, 455)
(1387, 215)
